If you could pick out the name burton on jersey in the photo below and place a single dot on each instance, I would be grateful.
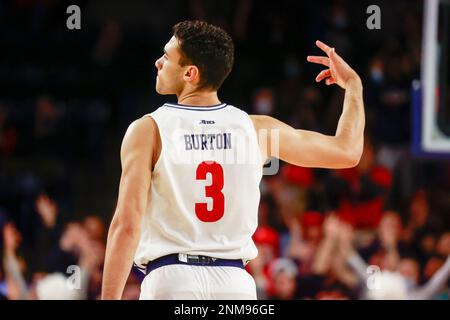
(207, 141)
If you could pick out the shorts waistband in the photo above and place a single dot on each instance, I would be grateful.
(192, 260)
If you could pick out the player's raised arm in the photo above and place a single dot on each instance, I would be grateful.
(136, 157)
(312, 149)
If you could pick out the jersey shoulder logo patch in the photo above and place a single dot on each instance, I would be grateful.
(207, 122)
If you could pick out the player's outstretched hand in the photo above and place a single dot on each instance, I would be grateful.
(338, 71)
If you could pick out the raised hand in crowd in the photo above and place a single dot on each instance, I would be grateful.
(47, 210)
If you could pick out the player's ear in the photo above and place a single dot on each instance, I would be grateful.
(191, 75)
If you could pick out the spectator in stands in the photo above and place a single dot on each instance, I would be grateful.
(267, 241)
(360, 193)
(283, 273)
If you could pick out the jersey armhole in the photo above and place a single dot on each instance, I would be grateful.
(160, 140)
(262, 161)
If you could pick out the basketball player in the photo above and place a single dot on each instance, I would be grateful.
(188, 200)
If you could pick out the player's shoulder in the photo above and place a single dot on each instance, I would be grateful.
(144, 123)
(141, 128)
(141, 137)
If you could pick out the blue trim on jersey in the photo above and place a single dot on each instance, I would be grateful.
(195, 108)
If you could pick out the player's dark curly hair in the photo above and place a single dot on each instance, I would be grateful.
(209, 48)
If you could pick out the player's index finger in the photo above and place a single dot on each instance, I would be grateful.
(320, 60)
(323, 46)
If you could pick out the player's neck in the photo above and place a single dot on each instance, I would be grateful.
(199, 98)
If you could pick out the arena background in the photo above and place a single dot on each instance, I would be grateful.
(67, 97)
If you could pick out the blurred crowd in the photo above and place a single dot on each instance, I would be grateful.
(380, 230)
(357, 249)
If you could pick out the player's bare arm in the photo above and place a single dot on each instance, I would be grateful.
(137, 156)
(313, 149)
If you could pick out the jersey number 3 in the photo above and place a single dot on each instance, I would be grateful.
(213, 191)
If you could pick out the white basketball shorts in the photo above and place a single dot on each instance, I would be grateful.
(188, 282)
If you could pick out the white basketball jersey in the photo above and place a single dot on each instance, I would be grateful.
(204, 192)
